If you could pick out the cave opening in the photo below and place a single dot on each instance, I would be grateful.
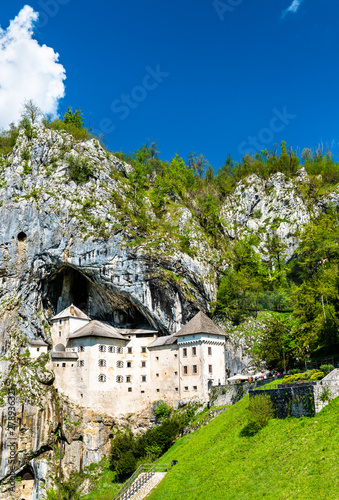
(22, 236)
(69, 286)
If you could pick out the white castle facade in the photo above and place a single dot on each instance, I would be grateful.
(123, 370)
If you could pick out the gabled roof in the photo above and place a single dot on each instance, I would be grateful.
(97, 329)
(160, 341)
(37, 342)
(141, 330)
(200, 324)
(71, 312)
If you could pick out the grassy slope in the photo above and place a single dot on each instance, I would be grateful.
(292, 458)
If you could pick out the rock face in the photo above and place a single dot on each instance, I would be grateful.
(277, 206)
(65, 242)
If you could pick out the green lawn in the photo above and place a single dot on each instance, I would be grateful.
(289, 459)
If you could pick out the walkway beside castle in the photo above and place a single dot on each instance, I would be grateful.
(147, 487)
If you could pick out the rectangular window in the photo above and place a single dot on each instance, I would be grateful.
(129, 364)
(119, 379)
(185, 370)
(157, 358)
(128, 378)
(143, 378)
(195, 369)
(210, 351)
(38, 349)
(81, 363)
(157, 374)
(210, 369)
(143, 364)
(175, 355)
(143, 349)
(186, 388)
(59, 334)
(102, 348)
(129, 350)
(175, 373)
(111, 348)
(129, 389)
(194, 351)
(158, 390)
(195, 388)
(64, 365)
(120, 364)
(142, 392)
(81, 348)
(102, 362)
(184, 352)
(120, 350)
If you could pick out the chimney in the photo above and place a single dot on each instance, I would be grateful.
(72, 310)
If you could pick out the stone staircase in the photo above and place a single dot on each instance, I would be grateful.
(144, 479)
(148, 486)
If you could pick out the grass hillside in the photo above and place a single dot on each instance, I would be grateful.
(292, 458)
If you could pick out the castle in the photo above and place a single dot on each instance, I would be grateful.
(123, 370)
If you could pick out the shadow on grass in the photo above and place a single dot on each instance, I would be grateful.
(250, 429)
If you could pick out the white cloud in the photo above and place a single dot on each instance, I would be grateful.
(28, 70)
(292, 8)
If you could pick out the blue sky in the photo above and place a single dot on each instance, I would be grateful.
(215, 77)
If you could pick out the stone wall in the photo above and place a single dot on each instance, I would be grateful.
(297, 401)
(228, 394)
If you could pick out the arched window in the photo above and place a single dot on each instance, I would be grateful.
(119, 379)
(102, 348)
(120, 364)
(102, 362)
(102, 378)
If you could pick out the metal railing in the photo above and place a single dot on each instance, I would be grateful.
(138, 479)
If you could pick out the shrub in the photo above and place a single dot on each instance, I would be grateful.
(294, 371)
(260, 411)
(326, 369)
(79, 169)
(317, 376)
(326, 395)
(162, 410)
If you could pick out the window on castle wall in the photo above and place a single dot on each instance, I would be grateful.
(175, 355)
(194, 351)
(129, 389)
(158, 390)
(102, 348)
(210, 351)
(129, 350)
(184, 352)
(157, 358)
(81, 348)
(38, 349)
(143, 378)
(119, 379)
(128, 378)
(102, 362)
(143, 349)
(195, 369)
(120, 364)
(157, 374)
(143, 364)
(59, 334)
(111, 348)
(186, 388)
(64, 365)
(185, 370)
(81, 363)
(129, 364)
(120, 350)
(175, 373)
(102, 378)
(195, 388)
(210, 369)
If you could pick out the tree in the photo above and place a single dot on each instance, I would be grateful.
(31, 111)
(74, 118)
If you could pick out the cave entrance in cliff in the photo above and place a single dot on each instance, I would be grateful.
(68, 286)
